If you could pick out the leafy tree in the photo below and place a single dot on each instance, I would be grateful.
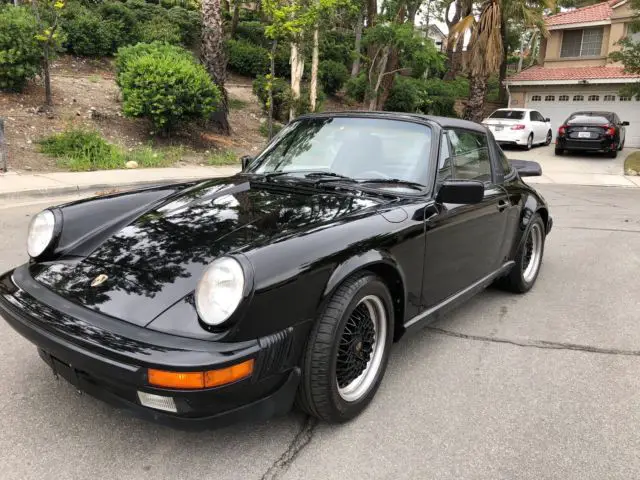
(48, 16)
(20, 52)
(629, 55)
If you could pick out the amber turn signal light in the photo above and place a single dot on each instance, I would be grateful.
(199, 380)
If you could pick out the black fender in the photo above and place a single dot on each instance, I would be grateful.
(383, 264)
(531, 205)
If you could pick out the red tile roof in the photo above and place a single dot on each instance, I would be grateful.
(538, 73)
(592, 13)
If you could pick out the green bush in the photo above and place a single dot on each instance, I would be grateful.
(19, 49)
(189, 24)
(416, 95)
(119, 13)
(132, 53)
(144, 11)
(281, 96)
(356, 87)
(332, 76)
(281, 60)
(88, 34)
(165, 84)
(247, 59)
(337, 46)
(252, 32)
(159, 29)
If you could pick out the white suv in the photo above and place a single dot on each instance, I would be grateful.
(519, 126)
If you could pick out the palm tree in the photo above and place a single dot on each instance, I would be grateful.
(486, 44)
(214, 57)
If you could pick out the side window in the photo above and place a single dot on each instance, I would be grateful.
(444, 161)
(470, 155)
(506, 165)
(536, 117)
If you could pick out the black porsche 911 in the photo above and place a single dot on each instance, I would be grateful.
(227, 299)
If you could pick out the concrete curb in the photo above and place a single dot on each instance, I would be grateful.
(98, 188)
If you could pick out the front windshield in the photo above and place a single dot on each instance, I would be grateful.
(358, 148)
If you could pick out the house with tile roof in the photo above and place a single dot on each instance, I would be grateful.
(574, 71)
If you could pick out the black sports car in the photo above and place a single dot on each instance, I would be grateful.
(213, 301)
(591, 132)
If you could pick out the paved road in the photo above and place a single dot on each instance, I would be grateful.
(540, 386)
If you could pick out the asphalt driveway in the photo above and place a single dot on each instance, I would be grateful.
(540, 386)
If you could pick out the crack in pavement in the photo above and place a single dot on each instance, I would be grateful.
(299, 442)
(599, 229)
(543, 344)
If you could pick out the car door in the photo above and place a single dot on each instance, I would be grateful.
(463, 243)
(539, 127)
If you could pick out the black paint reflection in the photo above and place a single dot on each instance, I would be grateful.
(158, 259)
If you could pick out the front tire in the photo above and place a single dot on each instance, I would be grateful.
(528, 259)
(347, 351)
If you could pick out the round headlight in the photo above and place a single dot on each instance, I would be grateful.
(41, 230)
(220, 291)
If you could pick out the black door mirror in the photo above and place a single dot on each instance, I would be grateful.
(245, 160)
(547, 120)
(527, 168)
(625, 124)
(460, 192)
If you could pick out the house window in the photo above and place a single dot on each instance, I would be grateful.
(609, 98)
(594, 98)
(550, 98)
(563, 98)
(582, 43)
(578, 98)
(536, 98)
(633, 36)
(624, 99)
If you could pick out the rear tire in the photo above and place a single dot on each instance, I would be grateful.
(528, 260)
(613, 153)
(559, 151)
(354, 332)
(529, 145)
(549, 138)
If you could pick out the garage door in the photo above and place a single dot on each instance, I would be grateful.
(558, 107)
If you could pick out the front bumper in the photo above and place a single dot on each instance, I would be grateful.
(111, 363)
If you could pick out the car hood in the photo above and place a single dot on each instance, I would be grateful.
(158, 258)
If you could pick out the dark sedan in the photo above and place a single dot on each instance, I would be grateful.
(228, 299)
(591, 132)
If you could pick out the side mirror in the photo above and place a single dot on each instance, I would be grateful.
(245, 160)
(625, 124)
(527, 168)
(460, 192)
(548, 120)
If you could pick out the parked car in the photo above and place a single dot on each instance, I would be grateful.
(218, 300)
(591, 132)
(519, 126)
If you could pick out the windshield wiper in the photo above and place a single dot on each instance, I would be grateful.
(332, 176)
(399, 181)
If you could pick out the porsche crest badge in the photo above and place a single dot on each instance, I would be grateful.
(99, 280)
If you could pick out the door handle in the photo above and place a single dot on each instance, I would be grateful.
(502, 204)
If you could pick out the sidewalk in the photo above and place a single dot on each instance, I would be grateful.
(14, 186)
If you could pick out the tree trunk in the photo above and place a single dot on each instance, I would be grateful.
(297, 69)
(521, 59)
(214, 57)
(355, 68)
(313, 87)
(379, 67)
(451, 47)
(474, 109)
(235, 18)
(387, 81)
(502, 88)
(272, 71)
(48, 98)
(372, 11)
